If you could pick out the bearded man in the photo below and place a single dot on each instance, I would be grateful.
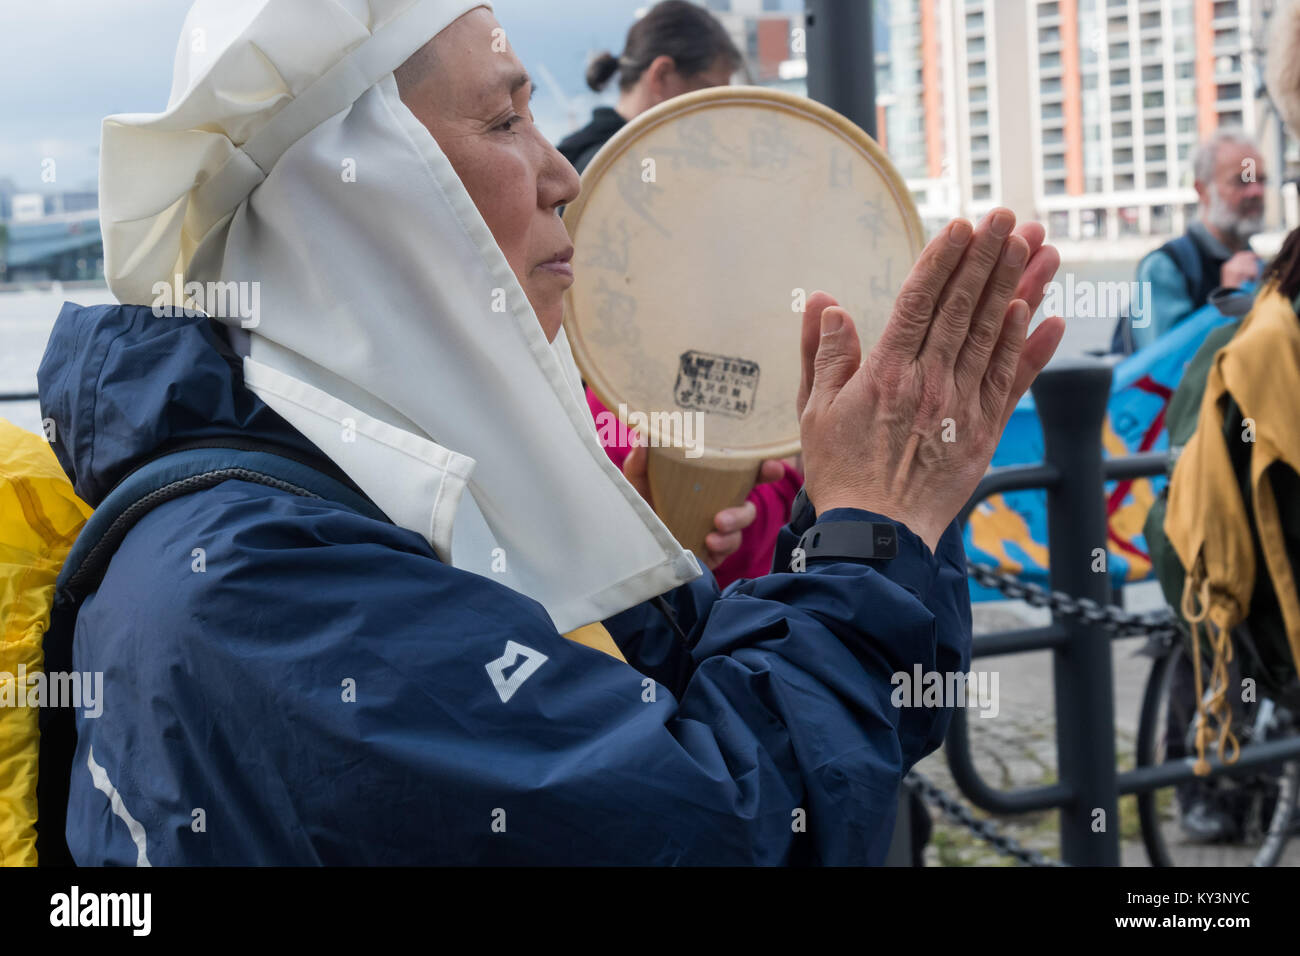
(1215, 251)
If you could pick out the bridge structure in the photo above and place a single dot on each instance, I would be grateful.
(63, 246)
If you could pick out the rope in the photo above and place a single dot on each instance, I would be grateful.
(1216, 619)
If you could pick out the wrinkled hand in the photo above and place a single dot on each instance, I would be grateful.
(730, 522)
(1243, 267)
(909, 432)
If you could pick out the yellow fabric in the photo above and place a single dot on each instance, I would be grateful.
(40, 517)
(1206, 519)
(595, 635)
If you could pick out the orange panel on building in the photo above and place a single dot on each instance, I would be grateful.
(773, 45)
(1206, 93)
(1072, 96)
(932, 91)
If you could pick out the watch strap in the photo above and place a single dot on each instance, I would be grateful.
(856, 540)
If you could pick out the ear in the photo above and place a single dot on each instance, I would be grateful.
(657, 73)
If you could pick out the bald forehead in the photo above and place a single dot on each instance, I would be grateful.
(1233, 156)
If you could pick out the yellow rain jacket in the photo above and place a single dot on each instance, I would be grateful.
(1207, 522)
(40, 517)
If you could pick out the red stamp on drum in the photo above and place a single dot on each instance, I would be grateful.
(716, 383)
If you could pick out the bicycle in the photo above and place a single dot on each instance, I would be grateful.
(1261, 802)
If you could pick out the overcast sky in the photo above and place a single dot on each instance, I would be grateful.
(66, 64)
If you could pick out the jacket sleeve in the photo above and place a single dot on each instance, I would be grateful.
(328, 692)
(1167, 302)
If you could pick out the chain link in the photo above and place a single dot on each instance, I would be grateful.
(1109, 617)
(986, 830)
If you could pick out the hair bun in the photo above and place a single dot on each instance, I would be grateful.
(601, 69)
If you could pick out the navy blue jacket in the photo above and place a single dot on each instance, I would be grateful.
(229, 735)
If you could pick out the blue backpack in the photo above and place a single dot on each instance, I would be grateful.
(181, 469)
(1187, 257)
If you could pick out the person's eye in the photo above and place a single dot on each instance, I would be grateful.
(506, 126)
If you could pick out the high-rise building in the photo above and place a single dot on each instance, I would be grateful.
(1083, 113)
(1122, 95)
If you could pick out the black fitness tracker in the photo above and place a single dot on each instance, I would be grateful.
(857, 540)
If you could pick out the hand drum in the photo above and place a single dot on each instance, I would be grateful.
(702, 227)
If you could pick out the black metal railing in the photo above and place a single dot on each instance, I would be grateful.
(1071, 399)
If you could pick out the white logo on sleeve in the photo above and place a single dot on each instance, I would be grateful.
(506, 686)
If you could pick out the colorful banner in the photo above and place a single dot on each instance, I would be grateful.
(1010, 530)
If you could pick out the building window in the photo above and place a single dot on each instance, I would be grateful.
(1093, 222)
(1162, 219)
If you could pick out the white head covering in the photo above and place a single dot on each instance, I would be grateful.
(391, 330)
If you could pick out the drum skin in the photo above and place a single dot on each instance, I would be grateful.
(702, 227)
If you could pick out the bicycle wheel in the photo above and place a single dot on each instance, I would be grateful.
(1261, 805)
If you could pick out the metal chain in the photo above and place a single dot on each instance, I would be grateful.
(1107, 616)
(986, 830)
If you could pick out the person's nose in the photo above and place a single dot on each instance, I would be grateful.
(559, 183)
